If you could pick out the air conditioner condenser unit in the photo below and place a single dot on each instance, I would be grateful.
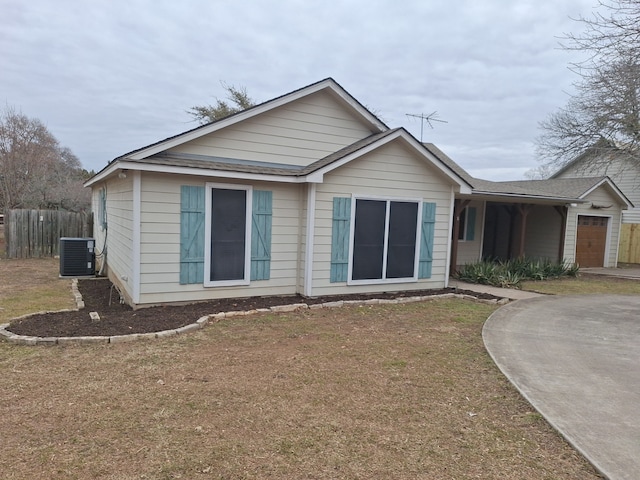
(77, 257)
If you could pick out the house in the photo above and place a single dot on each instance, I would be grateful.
(307, 193)
(311, 193)
(605, 159)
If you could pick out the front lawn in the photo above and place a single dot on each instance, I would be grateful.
(361, 392)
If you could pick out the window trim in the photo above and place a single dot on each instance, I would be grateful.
(463, 230)
(416, 260)
(463, 224)
(209, 187)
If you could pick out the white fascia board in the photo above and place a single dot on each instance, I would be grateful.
(318, 175)
(616, 190)
(479, 194)
(353, 103)
(106, 172)
(201, 172)
(252, 112)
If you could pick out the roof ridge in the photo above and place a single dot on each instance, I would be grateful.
(328, 80)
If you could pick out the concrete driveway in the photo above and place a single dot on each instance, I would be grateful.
(577, 361)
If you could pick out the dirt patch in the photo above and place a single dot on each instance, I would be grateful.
(116, 319)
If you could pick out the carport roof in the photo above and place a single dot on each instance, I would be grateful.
(570, 188)
(567, 190)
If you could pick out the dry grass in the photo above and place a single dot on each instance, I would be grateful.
(585, 285)
(32, 285)
(375, 392)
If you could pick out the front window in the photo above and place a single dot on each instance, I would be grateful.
(228, 214)
(385, 240)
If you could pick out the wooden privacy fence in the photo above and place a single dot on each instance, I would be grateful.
(37, 233)
(629, 249)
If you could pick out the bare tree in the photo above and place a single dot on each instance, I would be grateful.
(35, 171)
(237, 100)
(603, 115)
(612, 30)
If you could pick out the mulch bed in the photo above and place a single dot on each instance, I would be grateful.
(117, 319)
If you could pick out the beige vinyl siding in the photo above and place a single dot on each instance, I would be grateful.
(391, 171)
(297, 133)
(470, 251)
(120, 233)
(160, 243)
(600, 196)
(544, 229)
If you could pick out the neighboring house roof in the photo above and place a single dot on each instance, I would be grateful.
(597, 159)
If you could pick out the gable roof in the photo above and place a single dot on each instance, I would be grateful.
(573, 189)
(184, 163)
(567, 190)
(157, 157)
(328, 85)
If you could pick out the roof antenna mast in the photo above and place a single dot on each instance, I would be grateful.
(431, 117)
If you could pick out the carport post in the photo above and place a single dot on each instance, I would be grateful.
(562, 210)
(523, 209)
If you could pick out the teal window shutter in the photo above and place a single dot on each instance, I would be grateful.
(340, 239)
(192, 225)
(471, 223)
(426, 239)
(261, 235)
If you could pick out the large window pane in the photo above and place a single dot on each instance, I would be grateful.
(401, 250)
(368, 242)
(228, 233)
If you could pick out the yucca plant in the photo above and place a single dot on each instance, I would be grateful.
(509, 273)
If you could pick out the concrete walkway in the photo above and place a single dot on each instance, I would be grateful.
(626, 272)
(577, 361)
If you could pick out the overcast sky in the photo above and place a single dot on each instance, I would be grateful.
(110, 76)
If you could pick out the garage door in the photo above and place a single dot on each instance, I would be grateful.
(591, 241)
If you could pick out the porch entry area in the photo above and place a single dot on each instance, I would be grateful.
(515, 230)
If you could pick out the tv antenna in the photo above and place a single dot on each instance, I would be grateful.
(430, 117)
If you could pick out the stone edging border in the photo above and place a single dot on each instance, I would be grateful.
(215, 317)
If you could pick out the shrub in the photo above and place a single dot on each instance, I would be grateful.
(509, 273)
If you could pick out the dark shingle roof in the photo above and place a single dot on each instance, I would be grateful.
(552, 188)
(555, 188)
(263, 168)
(453, 166)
